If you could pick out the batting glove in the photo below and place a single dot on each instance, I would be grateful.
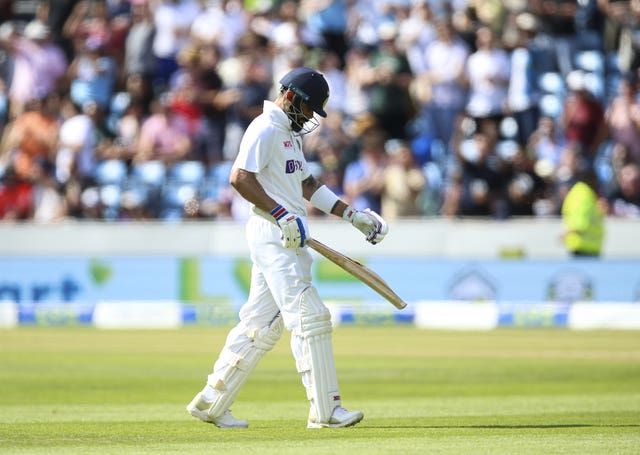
(293, 231)
(368, 222)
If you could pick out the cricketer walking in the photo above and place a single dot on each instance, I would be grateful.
(271, 173)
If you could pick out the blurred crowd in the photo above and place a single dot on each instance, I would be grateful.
(134, 109)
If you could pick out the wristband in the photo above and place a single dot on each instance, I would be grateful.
(324, 199)
(278, 212)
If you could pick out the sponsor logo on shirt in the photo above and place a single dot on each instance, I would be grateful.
(288, 144)
(292, 166)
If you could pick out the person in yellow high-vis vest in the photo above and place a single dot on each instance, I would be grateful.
(583, 218)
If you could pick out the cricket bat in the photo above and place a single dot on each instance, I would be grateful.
(360, 271)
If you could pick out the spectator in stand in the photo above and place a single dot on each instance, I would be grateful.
(127, 130)
(222, 23)
(480, 179)
(215, 101)
(107, 147)
(356, 130)
(48, 59)
(329, 66)
(416, 31)
(58, 11)
(329, 158)
(38, 66)
(31, 137)
(92, 73)
(327, 21)
(164, 135)
(184, 90)
(283, 33)
(119, 16)
(452, 194)
(466, 23)
(16, 197)
(49, 204)
(445, 62)
(625, 200)
(487, 73)
(545, 144)
(403, 182)
(89, 20)
(76, 149)
(490, 13)
(388, 79)
(625, 46)
(254, 87)
(283, 29)
(524, 186)
(583, 120)
(559, 27)
(623, 117)
(172, 21)
(363, 179)
(617, 15)
(523, 95)
(356, 71)
(320, 145)
(138, 55)
(620, 157)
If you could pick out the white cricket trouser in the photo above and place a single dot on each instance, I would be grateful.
(278, 277)
(280, 289)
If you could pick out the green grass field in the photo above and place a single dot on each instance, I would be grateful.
(81, 390)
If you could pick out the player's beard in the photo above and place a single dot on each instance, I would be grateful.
(297, 118)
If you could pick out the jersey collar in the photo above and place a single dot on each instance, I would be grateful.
(276, 115)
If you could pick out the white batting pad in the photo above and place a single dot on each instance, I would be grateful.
(312, 347)
(233, 367)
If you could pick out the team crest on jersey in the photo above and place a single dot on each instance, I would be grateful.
(288, 144)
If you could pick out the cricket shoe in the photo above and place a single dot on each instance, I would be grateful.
(199, 407)
(339, 418)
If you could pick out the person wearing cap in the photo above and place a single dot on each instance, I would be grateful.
(271, 173)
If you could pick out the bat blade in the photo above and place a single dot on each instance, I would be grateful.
(360, 271)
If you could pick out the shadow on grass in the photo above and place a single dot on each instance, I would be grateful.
(515, 427)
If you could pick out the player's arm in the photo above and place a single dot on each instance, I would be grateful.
(246, 183)
(367, 221)
(293, 230)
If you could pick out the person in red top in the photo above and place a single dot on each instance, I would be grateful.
(583, 117)
(16, 197)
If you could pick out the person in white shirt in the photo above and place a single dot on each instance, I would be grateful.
(172, 20)
(271, 173)
(488, 71)
(445, 61)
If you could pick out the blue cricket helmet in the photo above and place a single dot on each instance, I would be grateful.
(310, 85)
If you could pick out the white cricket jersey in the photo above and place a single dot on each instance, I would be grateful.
(271, 151)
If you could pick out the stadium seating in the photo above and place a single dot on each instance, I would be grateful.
(189, 172)
(150, 175)
(506, 148)
(592, 61)
(551, 105)
(216, 180)
(111, 171)
(182, 184)
(552, 83)
(110, 200)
